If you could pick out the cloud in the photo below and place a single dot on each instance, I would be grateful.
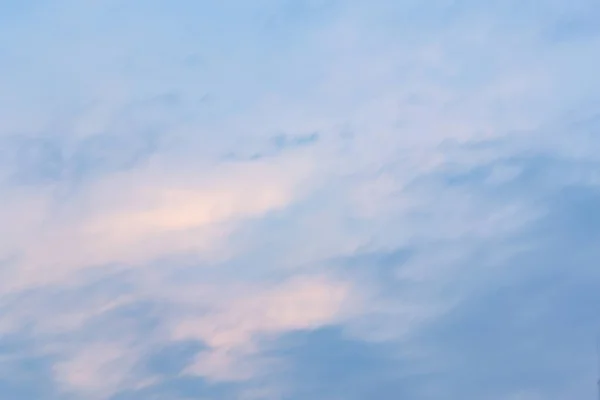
(134, 217)
(231, 331)
(310, 198)
(93, 369)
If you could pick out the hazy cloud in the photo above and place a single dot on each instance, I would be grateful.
(292, 199)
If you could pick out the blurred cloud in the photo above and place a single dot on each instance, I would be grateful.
(291, 199)
(229, 332)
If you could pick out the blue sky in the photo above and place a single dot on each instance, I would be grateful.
(296, 199)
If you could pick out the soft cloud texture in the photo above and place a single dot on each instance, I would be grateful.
(299, 199)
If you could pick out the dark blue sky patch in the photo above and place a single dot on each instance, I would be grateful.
(24, 374)
(283, 141)
(574, 216)
(49, 159)
(325, 364)
(379, 268)
(378, 259)
(276, 145)
(110, 153)
(183, 387)
(528, 324)
(171, 359)
(35, 160)
(517, 338)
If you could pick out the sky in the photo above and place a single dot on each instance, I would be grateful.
(299, 199)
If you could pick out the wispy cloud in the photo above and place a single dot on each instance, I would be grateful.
(291, 199)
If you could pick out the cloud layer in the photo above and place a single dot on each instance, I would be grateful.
(299, 199)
